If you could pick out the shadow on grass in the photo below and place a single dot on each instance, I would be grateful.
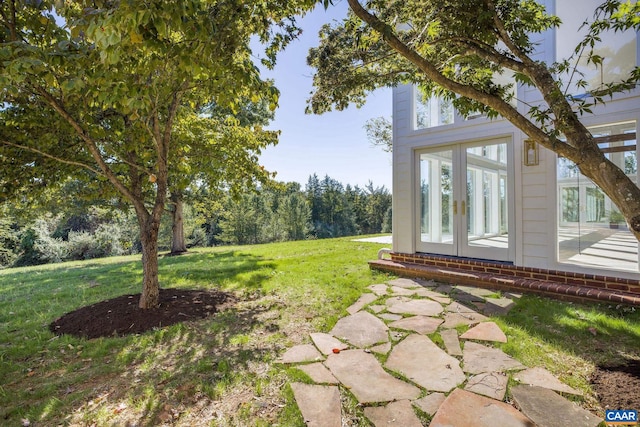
(198, 359)
(232, 270)
(206, 363)
(599, 333)
(152, 376)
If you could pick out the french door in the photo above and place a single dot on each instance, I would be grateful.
(464, 200)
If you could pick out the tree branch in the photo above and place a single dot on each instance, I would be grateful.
(90, 143)
(504, 34)
(50, 156)
(566, 121)
(12, 24)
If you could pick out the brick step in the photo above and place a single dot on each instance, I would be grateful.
(497, 281)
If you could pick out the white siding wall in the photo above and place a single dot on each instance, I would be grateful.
(537, 189)
(403, 174)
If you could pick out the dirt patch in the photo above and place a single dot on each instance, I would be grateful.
(122, 316)
(618, 387)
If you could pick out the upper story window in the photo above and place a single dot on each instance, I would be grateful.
(433, 111)
(617, 48)
(437, 111)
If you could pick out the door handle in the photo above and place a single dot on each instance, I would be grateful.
(455, 207)
(464, 207)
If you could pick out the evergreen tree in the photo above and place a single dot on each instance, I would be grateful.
(294, 215)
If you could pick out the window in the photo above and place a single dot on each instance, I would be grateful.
(617, 48)
(591, 230)
(431, 112)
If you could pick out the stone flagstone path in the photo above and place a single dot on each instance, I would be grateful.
(462, 384)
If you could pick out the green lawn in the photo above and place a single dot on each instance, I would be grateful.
(221, 371)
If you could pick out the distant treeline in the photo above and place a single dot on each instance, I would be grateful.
(284, 211)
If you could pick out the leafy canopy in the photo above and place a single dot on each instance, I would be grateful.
(115, 77)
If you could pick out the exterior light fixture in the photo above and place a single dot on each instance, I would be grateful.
(531, 153)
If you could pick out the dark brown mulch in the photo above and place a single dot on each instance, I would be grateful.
(122, 316)
(618, 387)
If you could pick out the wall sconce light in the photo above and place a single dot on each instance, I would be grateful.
(531, 152)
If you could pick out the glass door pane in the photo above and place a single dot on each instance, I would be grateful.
(486, 201)
(436, 202)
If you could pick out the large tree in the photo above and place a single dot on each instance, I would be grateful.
(114, 76)
(455, 48)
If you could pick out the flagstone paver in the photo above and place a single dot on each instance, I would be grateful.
(453, 320)
(397, 290)
(542, 378)
(320, 405)
(379, 289)
(429, 283)
(426, 364)
(420, 324)
(381, 348)
(398, 414)
(486, 331)
(326, 343)
(301, 353)
(405, 283)
(362, 374)
(451, 341)
(479, 306)
(464, 297)
(430, 403)
(400, 305)
(547, 408)
(361, 302)
(362, 329)
(490, 384)
(466, 409)
(479, 292)
(377, 308)
(436, 296)
(318, 373)
(390, 316)
(478, 358)
(444, 288)
(498, 306)
(456, 307)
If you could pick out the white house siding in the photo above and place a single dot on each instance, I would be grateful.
(534, 204)
(403, 174)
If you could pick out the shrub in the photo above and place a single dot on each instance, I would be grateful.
(81, 245)
(105, 242)
(50, 249)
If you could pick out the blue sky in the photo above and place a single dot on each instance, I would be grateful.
(334, 143)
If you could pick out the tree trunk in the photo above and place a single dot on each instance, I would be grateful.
(178, 244)
(150, 296)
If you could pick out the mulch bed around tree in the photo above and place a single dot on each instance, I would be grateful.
(122, 316)
(618, 387)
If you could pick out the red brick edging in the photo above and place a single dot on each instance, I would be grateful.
(502, 276)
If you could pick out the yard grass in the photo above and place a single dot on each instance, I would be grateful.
(221, 370)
